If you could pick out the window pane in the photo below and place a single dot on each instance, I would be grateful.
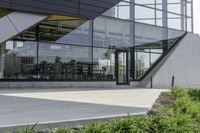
(144, 15)
(175, 8)
(173, 36)
(142, 62)
(18, 60)
(111, 32)
(174, 21)
(78, 36)
(122, 11)
(104, 64)
(146, 2)
(159, 18)
(65, 62)
(148, 34)
(145, 57)
(189, 24)
(112, 12)
(189, 9)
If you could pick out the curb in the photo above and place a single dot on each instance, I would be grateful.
(63, 124)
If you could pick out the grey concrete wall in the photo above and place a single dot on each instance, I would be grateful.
(183, 62)
(105, 84)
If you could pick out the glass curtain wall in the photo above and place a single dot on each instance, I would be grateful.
(175, 14)
(18, 60)
(150, 43)
(79, 50)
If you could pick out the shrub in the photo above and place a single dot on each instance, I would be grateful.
(195, 94)
(28, 130)
(183, 105)
(130, 124)
(62, 130)
(97, 128)
(179, 92)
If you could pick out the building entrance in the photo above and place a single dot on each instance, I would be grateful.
(121, 60)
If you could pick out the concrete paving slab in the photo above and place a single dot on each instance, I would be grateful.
(23, 107)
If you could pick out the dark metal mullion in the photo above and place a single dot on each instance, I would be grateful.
(116, 67)
(117, 11)
(79, 7)
(192, 16)
(37, 51)
(186, 16)
(127, 68)
(165, 25)
(155, 19)
(133, 63)
(91, 29)
(182, 14)
(150, 57)
(136, 66)
(133, 49)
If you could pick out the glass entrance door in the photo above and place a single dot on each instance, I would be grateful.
(121, 57)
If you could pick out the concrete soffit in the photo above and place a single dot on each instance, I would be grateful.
(16, 22)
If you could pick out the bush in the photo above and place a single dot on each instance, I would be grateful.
(28, 130)
(97, 128)
(130, 124)
(195, 94)
(62, 130)
(179, 92)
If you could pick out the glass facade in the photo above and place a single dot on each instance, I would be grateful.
(121, 44)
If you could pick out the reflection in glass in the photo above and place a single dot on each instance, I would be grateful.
(104, 64)
(121, 10)
(173, 36)
(145, 34)
(189, 9)
(141, 62)
(122, 67)
(110, 32)
(54, 31)
(18, 60)
(145, 57)
(64, 62)
(189, 24)
(78, 36)
(144, 14)
(174, 7)
(174, 21)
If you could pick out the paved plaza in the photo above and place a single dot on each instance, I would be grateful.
(28, 106)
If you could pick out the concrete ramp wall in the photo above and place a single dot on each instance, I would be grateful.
(183, 62)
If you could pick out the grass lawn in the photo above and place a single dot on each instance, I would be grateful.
(177, 111)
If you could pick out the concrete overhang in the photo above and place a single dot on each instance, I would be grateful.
(76, 8)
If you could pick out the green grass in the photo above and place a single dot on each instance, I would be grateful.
(183, 117)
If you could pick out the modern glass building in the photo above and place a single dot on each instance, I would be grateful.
(119, 43)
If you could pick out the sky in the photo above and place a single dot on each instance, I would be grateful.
(196, 7)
